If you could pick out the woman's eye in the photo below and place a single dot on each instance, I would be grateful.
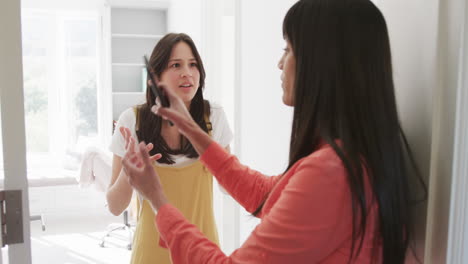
(175, 65)
(193, 64)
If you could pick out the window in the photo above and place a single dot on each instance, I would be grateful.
(60, 69)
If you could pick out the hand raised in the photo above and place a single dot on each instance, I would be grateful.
(177, 113)
(130, 143)
(141, 174)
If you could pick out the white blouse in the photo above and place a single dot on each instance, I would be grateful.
(221, 133)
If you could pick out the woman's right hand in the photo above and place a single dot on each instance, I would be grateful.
(179, 115)
(130, 142)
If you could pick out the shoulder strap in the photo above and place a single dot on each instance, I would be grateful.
(208, 124)
(137, 117)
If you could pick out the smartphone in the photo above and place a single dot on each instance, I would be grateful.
(157, 92)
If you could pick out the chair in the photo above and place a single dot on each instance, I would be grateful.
(96, 168)
(126, 226)
(39, 217)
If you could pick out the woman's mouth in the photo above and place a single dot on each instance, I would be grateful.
(186, 87)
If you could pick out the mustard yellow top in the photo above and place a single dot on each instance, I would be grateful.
(190, 189)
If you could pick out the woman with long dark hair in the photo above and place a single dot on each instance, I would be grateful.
(176, 62)
(344, 198)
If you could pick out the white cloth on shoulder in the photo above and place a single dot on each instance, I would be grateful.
(96, 168)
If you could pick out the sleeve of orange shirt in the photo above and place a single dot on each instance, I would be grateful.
(237, 179)
(305, 225)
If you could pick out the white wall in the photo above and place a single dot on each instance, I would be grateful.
(263, 123)
(186, 16)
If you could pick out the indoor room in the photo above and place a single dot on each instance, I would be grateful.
(71, 69)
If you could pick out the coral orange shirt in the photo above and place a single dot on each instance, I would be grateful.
(307, 217)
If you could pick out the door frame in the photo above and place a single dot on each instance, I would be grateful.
(12, 117)
(458, 225)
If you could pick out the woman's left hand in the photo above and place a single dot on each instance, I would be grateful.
(142, 176)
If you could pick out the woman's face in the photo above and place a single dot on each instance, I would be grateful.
(181, 74)
(287, 64)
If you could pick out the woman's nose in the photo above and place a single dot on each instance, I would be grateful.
(186, 72)
(281, 62)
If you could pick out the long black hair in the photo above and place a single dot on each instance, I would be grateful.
(344, 91)
(149, 124)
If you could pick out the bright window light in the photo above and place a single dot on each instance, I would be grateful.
(60, 66)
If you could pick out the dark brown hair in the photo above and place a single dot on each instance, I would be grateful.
(148, 124)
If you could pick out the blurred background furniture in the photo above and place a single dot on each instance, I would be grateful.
(96, 169)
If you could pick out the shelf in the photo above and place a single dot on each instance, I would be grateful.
(131, 50)
(137, 36)
(122, 101)
(129, 21)
(133, 31)
(128, 79)
(129, 64)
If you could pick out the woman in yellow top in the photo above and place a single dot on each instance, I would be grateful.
(189, 186)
